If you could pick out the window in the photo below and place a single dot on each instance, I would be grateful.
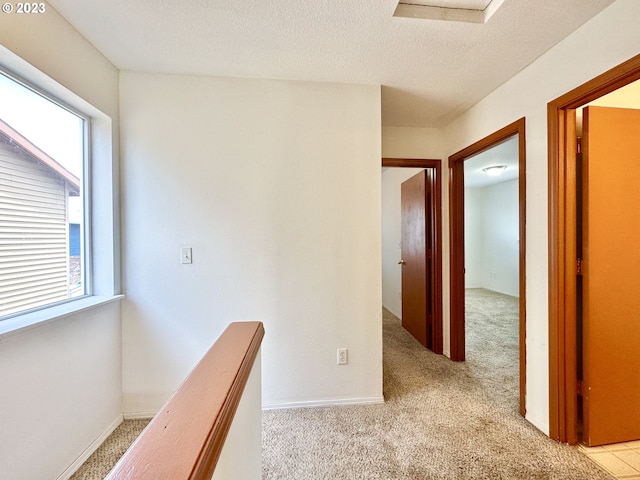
(43, 192)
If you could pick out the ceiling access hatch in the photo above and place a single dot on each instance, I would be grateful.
(471, 11)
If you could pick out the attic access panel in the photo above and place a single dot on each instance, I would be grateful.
(471, 11)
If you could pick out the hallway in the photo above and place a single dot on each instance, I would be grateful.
(440, 420)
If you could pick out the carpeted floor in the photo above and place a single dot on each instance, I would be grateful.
(100, 463)
(440, 419)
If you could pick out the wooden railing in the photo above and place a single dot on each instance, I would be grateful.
(184, 440)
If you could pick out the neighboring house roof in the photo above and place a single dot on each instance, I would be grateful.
(12, 137)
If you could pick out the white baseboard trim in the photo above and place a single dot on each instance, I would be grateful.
(71, 469)
(540, 424)
(398, 315)
(504, 292)
(138, 415)
(324, 403)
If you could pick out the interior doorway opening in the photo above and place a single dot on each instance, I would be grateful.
(564, 328)
(392, 255)
(513, 132)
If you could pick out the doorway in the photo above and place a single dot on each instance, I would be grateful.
(457, 242)
(563, 325)
(434, 266)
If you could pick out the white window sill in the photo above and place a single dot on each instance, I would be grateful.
(21, 323)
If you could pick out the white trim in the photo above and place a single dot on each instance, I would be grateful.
(71, 469)
(324, 403)
(19, 324)
(139, 415)
(542, 425)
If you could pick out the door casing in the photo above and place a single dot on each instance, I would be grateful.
(561, 123)
(456, 241)
(436, 166)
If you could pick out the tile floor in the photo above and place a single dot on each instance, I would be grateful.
(622, 460)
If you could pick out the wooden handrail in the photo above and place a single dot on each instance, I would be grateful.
(184, 439)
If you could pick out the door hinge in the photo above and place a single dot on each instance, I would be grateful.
(578, 266)
(579, 387)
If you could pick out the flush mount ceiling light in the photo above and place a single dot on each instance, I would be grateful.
(471, 11)
(494, 170)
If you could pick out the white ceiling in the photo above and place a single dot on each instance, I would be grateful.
(505, 154)
(430, 70)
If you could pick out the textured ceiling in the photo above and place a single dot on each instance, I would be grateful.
(430, 70)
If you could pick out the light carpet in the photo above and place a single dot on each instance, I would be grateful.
(440, 419)
(100, 463)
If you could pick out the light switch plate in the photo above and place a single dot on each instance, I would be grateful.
(185, 255)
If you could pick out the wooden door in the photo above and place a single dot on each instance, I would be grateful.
(611, 269)
(417, 257)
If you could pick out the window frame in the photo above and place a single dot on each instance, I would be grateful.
(100, 192)
(85, 191)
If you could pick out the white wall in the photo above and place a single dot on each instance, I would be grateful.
(604, 42)
(412, 142)
(276, 187)
(473, 236)
(501, 257)
(241, 455)
(392, 178)
(61, 392)
(491, 238)
(61, 381)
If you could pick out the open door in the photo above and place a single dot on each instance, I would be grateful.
(417, 256)
(610, 269)
(431, 199)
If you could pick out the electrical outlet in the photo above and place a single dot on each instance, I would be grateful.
(343, 356)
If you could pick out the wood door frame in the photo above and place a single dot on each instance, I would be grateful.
(563, 388)
(436, 165)
(456, 242)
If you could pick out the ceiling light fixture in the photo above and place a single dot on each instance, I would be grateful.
(494, 170)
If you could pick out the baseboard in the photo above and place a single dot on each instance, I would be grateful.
(395, 314)
(540, 424)
(509, 294)
(324, 403)
(71, 469)
(138, 415)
